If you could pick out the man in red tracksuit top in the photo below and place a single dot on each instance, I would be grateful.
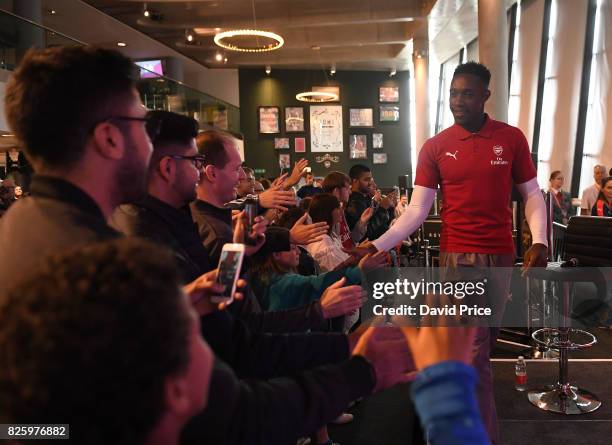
(475, 162)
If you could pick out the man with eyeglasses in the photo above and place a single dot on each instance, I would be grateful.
(82, 126)
(163, 215)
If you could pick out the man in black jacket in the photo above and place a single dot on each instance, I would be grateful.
(164, 217)
(363, 190)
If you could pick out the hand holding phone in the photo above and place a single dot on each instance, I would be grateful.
(230, 263)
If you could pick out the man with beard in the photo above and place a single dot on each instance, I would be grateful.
(79, 117)
(364, 195)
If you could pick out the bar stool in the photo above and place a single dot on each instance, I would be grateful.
(563, 397)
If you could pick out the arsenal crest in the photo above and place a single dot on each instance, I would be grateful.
(498, 150)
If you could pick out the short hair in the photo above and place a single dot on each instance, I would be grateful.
(173, 129)
(475, 69)
(212, 144)
(357, 170)
(335, 180)
(103, 327)
(305, 203)
(290, 217)
(57, 95)
(248, 170)
(600, 167)
(266, 183)
(554, 174)
(321, 208)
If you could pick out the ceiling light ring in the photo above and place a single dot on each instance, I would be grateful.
(248, 32)
(316, 96)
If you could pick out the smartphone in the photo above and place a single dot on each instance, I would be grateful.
(250, 209)
(230, 264)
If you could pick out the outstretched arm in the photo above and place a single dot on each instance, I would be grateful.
(410, 220)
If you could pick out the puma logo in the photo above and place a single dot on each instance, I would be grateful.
(452, 155)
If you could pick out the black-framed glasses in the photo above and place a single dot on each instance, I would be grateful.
(198, 161)
(152, 124)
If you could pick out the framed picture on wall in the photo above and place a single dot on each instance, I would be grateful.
(388, 94)
(284, 161)
(300, 145)
(280, 143)
(294, 119)
(389, 113)
(269, 120)
(358, 145)
(377, 140)
(379, 158)
(361, 117)
(326, 129)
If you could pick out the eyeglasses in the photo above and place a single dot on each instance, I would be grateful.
(152, 124)
(198, 161)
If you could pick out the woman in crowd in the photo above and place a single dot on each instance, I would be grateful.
(328, 252)
(603, 205)
(562, 200)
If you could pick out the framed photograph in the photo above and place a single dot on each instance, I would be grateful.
(300, 145)
(334, 90)
(379, 158)
(326, 129)
(361, 117)
(294, 119)
(281, 143)
(377, 140)
(284, 161)
(388, 94)
(358, 145)
(389, 113)
(269, 120)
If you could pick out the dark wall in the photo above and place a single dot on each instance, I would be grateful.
(358, 89)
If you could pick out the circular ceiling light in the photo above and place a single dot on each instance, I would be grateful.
(274, 41)
(316, 96)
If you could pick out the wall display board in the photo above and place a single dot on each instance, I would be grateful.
(389, 113)
(358, 144)
(294, 119)
(377, 140)
(269, 119)
(388, 94)
(326, 129)
(361, 117)
(281, 143)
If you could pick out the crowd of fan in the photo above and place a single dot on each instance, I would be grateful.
(108, 268)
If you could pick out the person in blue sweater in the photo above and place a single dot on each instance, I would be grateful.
(278, 286)
(444, 391)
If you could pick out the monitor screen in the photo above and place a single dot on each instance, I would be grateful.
(150, 68)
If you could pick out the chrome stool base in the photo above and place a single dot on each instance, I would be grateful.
(564, 399)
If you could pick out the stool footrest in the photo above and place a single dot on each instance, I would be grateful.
(564, 399)
(554, 342)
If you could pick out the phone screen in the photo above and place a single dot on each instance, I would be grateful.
(228, 270)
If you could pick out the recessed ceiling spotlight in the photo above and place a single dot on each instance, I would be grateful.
(121, 44)
(268, 69)
(393, 72)
(52, 11)
(225, 60)
(218, 57)
(333, 70)
(189, 38)
(145, 11)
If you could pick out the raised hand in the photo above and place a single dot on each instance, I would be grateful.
(303, 234)
(340, 300)
(206, 286)
(431, 345)
(373, 261)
